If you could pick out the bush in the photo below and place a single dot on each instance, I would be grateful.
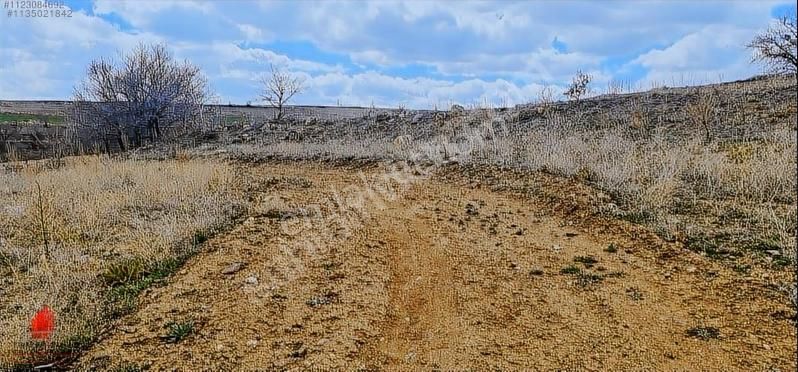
(579, 86)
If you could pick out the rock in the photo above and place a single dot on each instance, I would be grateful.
(300, 352)
(252, 280)
(691, 269)
(233, 268)
(252, 343)
(773, 252)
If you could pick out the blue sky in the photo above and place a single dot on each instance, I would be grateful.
(388, 53)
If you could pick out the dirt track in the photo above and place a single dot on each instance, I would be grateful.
(444, 276)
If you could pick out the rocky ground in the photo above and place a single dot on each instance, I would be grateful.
(379, 267)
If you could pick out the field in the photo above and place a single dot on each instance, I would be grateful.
(620, 233)
(7, 117)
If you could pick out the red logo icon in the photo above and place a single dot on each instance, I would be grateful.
(42, 324)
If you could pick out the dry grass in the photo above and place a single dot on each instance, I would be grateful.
(85, 238)
(678, 184)
(743, 190)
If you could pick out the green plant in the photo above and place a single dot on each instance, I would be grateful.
(588, 261)
(178, 331)
(742, 269)
(585, 279)
(200, 236)
(124, 271)
(570, 270)
(704, 333)
(611, 248)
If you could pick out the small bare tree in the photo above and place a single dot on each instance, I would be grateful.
(147, 91)
(279, 87)
(702, 112)
(777, 47)
(579, 86)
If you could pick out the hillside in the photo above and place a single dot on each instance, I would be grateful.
(650, 230)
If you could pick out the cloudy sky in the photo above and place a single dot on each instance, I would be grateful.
(415, 53)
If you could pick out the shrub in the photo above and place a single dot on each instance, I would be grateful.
(579, 86)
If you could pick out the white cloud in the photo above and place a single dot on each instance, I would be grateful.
(253, 33)
(138, 13)
(370, 87)
(369, 57)
(491, 50)
(14, 75)
(50, 54)
(712, 53)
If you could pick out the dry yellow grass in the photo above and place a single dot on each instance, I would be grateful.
(681, 186)
(83, 237)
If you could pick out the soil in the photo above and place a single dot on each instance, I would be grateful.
(447, 273)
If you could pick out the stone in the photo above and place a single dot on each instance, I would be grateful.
(233, 268)
(252, 280)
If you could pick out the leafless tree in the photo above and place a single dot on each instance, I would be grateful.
(777, 47)
(579, 86)
(279, 87)
(703, 111)
(146, 92)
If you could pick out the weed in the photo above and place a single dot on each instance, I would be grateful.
(536, 272)
(611, 248)
(741, 268)
(124, 271)
(585, 279)
(615, 274)
(324, 299)
(704, 333)
(710, 247)
(781, 262)
(570, 270)
(200, 236)
(588, 261)
(178, 331)
(765, 245)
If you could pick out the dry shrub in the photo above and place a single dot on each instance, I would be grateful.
(67, 246)
(655, 178)
(702, 112)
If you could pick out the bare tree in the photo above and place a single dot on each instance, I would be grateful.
(776, 47)
(702, 112)
(279, 87)
(146, 92)
(579, 86)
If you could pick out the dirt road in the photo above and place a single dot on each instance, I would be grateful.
(443, 274)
